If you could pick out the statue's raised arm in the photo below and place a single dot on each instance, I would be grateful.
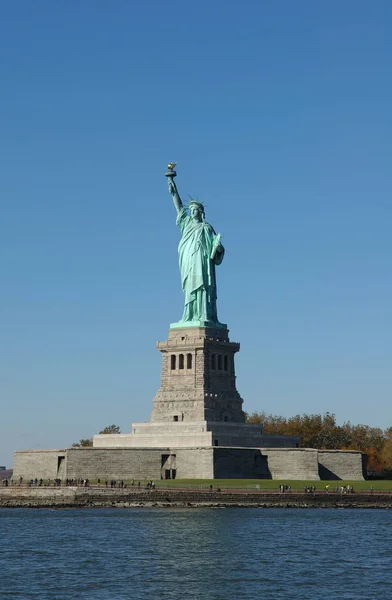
(174, 192)
(172, 186)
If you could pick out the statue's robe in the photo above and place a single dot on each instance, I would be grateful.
(199, 251)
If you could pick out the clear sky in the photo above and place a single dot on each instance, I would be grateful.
(279, 115)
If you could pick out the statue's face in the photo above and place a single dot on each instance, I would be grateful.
(195, 212)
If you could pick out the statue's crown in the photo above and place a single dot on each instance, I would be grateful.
(197, 203)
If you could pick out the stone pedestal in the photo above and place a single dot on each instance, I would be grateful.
(198, 380)
(197, 404)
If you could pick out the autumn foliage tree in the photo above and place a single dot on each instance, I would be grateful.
(83, 443)
(88, 442)
(386, 452)
(111, 429)
(322, 431)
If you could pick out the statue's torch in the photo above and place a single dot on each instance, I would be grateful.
(170, 170)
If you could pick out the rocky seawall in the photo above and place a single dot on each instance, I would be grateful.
(72, 497)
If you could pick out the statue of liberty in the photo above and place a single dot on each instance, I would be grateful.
(199, 251)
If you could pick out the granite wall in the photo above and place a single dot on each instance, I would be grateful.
(292, 463)
(40, 464)
(341, 464)
(189, 463)
(114, 463)
(240, 463)
(194, 463)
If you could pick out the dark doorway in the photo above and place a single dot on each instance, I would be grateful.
(60, 466)
(168, 466)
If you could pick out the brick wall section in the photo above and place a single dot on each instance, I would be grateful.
(134, 463)
(114, 463)
(237, 463)
(295, 464)
(312, 464)
(341, 464)
(31, 464)
(194, 463)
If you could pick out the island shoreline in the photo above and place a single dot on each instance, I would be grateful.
(72, 497)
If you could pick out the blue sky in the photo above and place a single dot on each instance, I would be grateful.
(279, 116)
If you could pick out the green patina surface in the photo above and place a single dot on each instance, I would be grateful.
(200, 250)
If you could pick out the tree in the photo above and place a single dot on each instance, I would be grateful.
(88, 442)
(316, 431)
(322, 431)
(386, 452)
(363, 437)
(83, 443)
(111, 429)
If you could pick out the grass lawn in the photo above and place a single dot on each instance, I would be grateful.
(264, 484)
(273, 484)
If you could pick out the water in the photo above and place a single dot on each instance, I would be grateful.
(195, 554)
